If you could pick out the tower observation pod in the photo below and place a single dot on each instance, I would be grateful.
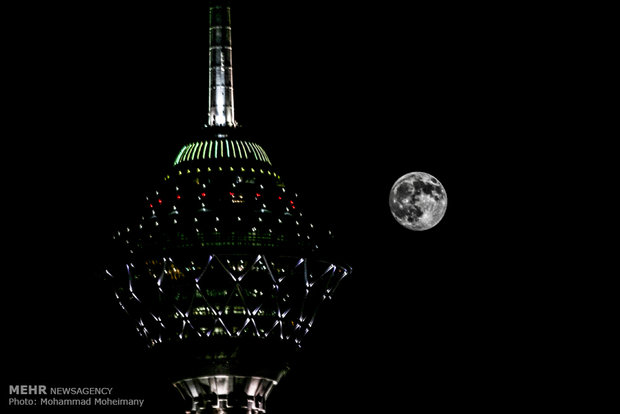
(222, 272)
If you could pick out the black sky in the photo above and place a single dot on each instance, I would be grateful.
(344, 100)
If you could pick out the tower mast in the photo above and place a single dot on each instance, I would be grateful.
(221, 102)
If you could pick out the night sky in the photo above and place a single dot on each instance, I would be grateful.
(344, 100)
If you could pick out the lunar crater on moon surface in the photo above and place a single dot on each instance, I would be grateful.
(418, 201)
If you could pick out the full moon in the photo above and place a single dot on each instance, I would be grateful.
(418, 201)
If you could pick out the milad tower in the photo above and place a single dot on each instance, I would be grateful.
(223, 273)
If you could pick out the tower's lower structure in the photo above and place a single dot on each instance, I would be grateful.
(225, 329)
(227, 393)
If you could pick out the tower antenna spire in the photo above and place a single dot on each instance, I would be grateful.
(221, 101)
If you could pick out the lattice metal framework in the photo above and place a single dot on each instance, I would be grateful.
(262, 296)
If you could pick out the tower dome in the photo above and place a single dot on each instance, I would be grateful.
(222, 193)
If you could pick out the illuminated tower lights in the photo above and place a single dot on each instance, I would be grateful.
(223, 274)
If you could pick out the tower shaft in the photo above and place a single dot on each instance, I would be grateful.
(221, 104)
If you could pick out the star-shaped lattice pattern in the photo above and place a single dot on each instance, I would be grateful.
(174, 298)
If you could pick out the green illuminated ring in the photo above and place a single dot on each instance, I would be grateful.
(211, 149)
